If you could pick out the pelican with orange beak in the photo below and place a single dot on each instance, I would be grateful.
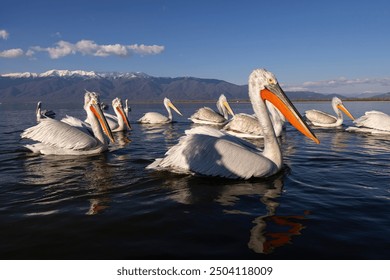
(318, 118)
(60, 138)
(157, 118)
(207, 115)
(120, 122)
(207, 151)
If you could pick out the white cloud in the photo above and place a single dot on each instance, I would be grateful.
(12, 53)
(61, 49)
(143, 49)
(4, 34)
(89, 47)
(344, 85)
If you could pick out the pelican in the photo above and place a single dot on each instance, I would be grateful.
(157, 118)
(207, 115)
(119, 122)
(43, 114)
(374, 122)
(207, 151)
(318, 118)
(59, 138)
(247, 126)
(127, 109)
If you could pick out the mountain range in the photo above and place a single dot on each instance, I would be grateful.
(69, 86)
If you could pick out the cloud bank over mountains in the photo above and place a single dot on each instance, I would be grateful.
(344, 86)
(84, 47)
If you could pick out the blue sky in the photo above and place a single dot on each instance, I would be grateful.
(325, 46)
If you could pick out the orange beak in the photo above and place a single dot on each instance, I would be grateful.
(342, 108)
(97, 111)
(278, 98)
(123, 115)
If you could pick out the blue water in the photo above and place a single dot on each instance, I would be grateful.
(331, 201)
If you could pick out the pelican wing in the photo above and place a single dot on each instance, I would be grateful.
(210, 152)
(316, 116)
(153, 117)
(112, 121)
(83, 126)
(209, 115)
(244, 123)
(375, 120)
(110, 117)
(61, 135)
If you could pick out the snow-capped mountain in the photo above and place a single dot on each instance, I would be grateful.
(70, 86)
(75, 73)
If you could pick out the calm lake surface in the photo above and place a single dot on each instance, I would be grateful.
(331, 201)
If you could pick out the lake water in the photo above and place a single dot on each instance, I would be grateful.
(331, 201)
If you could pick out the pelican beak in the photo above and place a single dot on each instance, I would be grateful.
(342, 108)
(274, 94)
(174, 108)
(227, 106)
(124, 117)
(97, 111)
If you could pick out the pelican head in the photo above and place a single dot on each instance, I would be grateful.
(126, 109)
(224, 107)
(337, 105)
(263, 86)
(168, 103)
(118, 108)
(92, 105)
(38, 111)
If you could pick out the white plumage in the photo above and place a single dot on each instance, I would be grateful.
(374, 122)
(60, 138)
(208, 151)
(207, 115)
(247, 126)
(43, 114)
(119, 122)
(318, 118)
(157, 118)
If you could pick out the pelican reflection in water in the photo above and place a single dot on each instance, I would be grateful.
(269, 230)
(88, 181)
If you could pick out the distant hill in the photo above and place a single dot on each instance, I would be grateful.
(309, 95)
(69, 86)
(385, 96)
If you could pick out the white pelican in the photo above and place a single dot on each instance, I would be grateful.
(318, 118)
(127, 108)
(247, 126)
(211, 152)
(119, 122)
(157, 118)
(207, 115)
(43, 114)
(374, 122)
(59, 138)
